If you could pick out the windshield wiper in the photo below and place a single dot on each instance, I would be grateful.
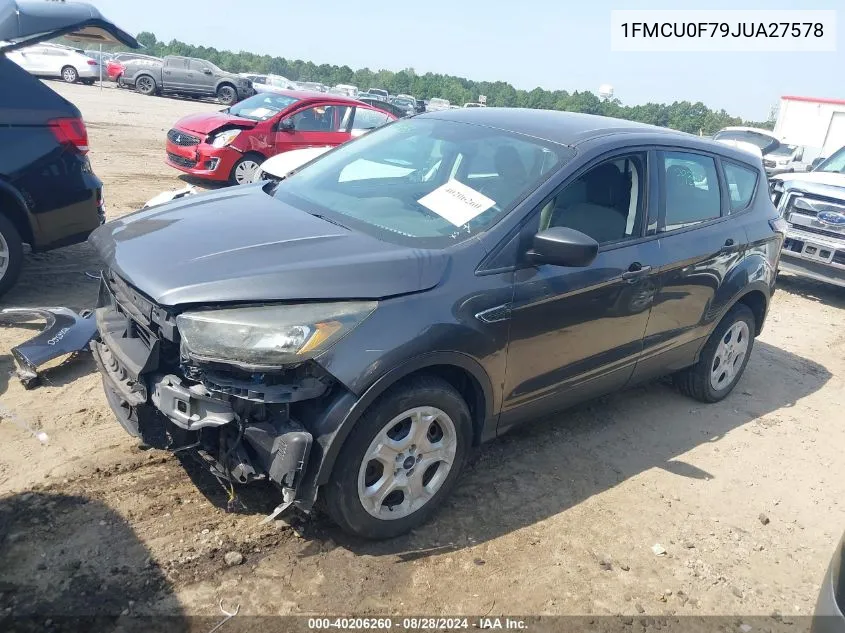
(330, 220)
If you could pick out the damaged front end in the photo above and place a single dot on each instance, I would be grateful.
(238, 418)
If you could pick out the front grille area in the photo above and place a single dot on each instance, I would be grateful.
(768, 163)
(812, 229)
(181, 161)
(182, 139)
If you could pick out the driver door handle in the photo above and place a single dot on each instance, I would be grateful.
(636, 271)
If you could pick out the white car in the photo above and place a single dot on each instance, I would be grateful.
(52, 60)
(270, 83)
(438, 104)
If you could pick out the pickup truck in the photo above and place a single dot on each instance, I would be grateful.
(186, 76)
(813, 205)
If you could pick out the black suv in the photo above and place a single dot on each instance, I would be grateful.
(49, 196)
(358, 327)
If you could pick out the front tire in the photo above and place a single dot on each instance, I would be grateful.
(401, 460)
(723, 358)
(70, 75)
(245, 169)
(11, 254)
(227, 95)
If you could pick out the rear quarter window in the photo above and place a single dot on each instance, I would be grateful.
(742, 181)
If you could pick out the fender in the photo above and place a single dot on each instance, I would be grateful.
(21, 215)
(753, 273)
(332, 432)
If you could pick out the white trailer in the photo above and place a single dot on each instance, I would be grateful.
(817, 124)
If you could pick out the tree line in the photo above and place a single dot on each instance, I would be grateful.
(695, 118)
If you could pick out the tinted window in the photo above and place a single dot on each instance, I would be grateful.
(741, 184)
(413, 181)
(199, 65)
(692, 189)
(607, 202)
(261, 107)
(368, 119)
(177, 63)
(322, 118)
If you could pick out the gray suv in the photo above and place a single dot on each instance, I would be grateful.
(186, 76)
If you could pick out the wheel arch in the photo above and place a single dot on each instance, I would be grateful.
(463, 372)
(13, 206)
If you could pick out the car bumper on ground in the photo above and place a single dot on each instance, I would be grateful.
(202, 160)
(814, 256)
(828, 616)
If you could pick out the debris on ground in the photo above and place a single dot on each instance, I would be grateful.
(233, 558)
(658, 549)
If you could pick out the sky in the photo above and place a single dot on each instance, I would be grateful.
(554, 44)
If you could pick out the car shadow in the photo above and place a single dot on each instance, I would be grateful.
(209, 185)
(812, 289)
(69, 563)
(551, 465)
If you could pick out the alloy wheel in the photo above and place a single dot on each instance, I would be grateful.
(729, 356)
(69, 74)
(407, 462)
(4, 256)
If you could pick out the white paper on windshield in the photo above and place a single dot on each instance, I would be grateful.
(456, 202)
(260, 112)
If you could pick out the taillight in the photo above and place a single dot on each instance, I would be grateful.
(71, 131)
(92, 62)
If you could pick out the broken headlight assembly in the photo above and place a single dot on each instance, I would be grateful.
(268, 337)
(222, 139)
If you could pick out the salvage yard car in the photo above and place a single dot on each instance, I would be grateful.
(52, 60)
(49, 195)
(229, 146)
(356, 330)
(185, 76)
(813, 205)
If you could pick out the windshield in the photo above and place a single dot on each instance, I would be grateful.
(426, 183)
(783, 150)
(755, 138)
(403, 102)
(835, 163)
(261, 107)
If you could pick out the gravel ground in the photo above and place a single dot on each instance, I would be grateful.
(561, 517)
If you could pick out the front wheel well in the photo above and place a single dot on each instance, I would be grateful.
(756, 302)
(465, 384)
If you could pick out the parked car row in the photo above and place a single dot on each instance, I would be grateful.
(52, 60)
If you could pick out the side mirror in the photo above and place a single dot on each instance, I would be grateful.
(816, 162)
(287, 125)
(562, 246)
(206, 71)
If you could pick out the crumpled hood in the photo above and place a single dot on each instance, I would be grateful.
(241, 244)
(823, 178)
(208, 122)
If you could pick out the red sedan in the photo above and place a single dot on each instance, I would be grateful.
(230, 145)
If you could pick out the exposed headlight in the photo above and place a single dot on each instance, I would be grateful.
(269, 336)
(224, 138)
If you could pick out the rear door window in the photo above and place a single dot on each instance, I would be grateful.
(741, 184)
(692, 191)
(366, 119)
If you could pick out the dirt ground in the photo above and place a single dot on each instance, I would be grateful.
(558, 518)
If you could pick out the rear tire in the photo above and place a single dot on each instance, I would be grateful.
(723, 359)
(402, 459)
(146, 85)
(227, 95)
(11, 254)
(69, 74)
